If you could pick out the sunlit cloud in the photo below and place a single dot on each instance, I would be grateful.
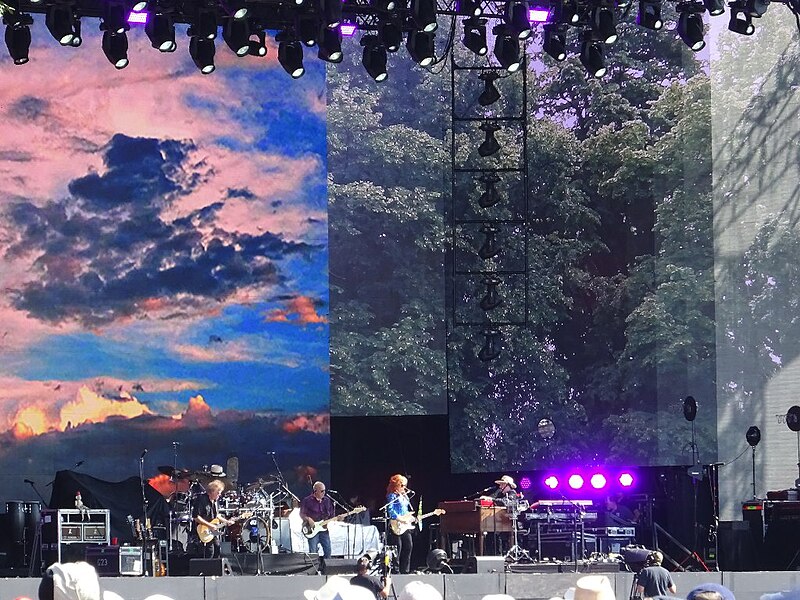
(299, 310)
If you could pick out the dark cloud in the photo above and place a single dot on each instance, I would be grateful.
(241, 193)
(102, 252)
(14, 156)
(29, 108)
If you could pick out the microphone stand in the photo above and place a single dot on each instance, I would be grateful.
(33, 486)
(344, 507)
(145, 532)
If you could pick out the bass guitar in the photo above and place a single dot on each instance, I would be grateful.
(310, 531)
(206, 533)
(400, 527)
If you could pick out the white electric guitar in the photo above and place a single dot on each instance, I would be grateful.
(400, 527)
(310, 531)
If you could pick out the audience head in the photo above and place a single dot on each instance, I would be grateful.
(70, 581)
(654, 559)
(710, 591)
(418, 590)
(339, 588)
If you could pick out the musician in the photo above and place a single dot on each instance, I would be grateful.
(399, 509)
(314, 508)
(370, 582)
(206, 512)
(506, 493)
(654, 580)
(617, 512)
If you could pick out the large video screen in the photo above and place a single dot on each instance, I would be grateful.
(163, 261)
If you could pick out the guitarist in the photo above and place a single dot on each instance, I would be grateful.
(318, 507)
(398, 507)
(205, 511)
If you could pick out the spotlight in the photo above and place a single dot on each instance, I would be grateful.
(60, 23)
(516, 17)
(423, 14)
(525, 483)
(348, 29)
(490, 196)
(161, 31)
(491, 345)
(236, 34)
(391, 34)
(384, 5)
(205, 25)
(330, 45)
(741, 22)
(115, 47)
(753, 436)
(490, 93)
(139, 6)
(793, 418)
(625, 479)
(307, 28)
(598, 481)
(490, 145)
(604, 24)
(374, 57)
(575, 481)
(689, 408)
(258, 47)
(18, 36)
(331, 12)
(490, 247)
(714, 7)
(470, 8)
(506, 48)
(551, 482)
(649, 15)
(756, 8)
(566, 12)
(546, 429)
(491, 299)
(690, 27)
(420, 47)
(202, 51)
(555, 41)
(290, 56)
(115, 18)
(475, 35)
(593, 56)
(237, 9)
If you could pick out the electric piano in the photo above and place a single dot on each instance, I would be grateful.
(472, 517)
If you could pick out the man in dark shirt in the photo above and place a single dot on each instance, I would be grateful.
(654, 580)
(370, 582)
(314, 508)
(205, 515)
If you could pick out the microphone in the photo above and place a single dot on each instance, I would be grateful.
(176, 443)
(143, 453)
(334, 491)
(270, 452)
(28, 481)
(78, 464)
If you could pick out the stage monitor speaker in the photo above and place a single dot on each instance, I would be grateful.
(338, 566)
(485, 564)
(209, 567)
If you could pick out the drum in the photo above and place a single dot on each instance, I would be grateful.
(255, 531)
(181, 526)
(230, 501)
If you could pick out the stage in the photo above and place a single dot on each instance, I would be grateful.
(522, 586)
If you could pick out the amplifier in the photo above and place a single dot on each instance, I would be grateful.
(116, 560)
(621, 532)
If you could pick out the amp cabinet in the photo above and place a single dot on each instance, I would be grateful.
(67, 533)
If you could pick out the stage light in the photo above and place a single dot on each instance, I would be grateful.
(575, 481)
(525, 483)
(593, 56)
(491, 345)
(115, 18)
(598, 481)
(258, 47)
(420, 47)
(604, 24)
(756, 8)
(506, 48)
(490, 196)
(490, 93)
(237, 9)
(753, 436)
(470, 8)
(290, 56)
(205, 25)
(374, 57)
(161, 31)
(60, 23)
(384, 5)
(491, 299)
(115, 47)
(516, 17)
(348, 29)
(690, 25)
(539, 14)
(307, 27)
(546, 429)
(330, 45)
(391, 35)
(331, 12)
(490, 247)
(551, 482)
(740, 22)
(202, 51)
(423, 14)
(714, 7)
(625, 479)
(649, 15)
(566, 12)
(689, 408)
(555, 41)
(138, 18)
(18, 36)
(475, 35)
(236, 34)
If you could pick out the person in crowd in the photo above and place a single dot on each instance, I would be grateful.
(363, 579)
(710, 591)
(314, 508)
(204, 539)
(617, 511)
(419, 590)
(401, 520)
(654, 580)
(73, 581)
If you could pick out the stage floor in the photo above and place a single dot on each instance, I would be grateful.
(522, 586)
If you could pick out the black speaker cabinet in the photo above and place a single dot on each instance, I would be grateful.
(110, 561)
(338, 566)
(485, 564)
(209, 567)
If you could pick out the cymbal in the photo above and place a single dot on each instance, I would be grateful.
(259, 484)
(169, 470)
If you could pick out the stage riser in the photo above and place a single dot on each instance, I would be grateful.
(534, 586)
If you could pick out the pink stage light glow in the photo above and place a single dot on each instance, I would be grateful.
(138, 18)
(575, 481)
(525, 483)
(538, 14)
(626, 480)
(598, 481)
(348, 29)
(551, 482)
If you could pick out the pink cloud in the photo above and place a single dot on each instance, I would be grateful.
(299, 310)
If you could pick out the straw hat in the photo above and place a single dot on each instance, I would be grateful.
(594, 587)
(506, 480)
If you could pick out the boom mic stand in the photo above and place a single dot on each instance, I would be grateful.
(146, 541)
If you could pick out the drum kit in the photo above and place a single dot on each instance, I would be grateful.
(259, 502)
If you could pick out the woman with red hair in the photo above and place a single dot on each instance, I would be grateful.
(398, 510)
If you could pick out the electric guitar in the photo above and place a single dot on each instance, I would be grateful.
(310, 531)
(400, 527)
(206, 533)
